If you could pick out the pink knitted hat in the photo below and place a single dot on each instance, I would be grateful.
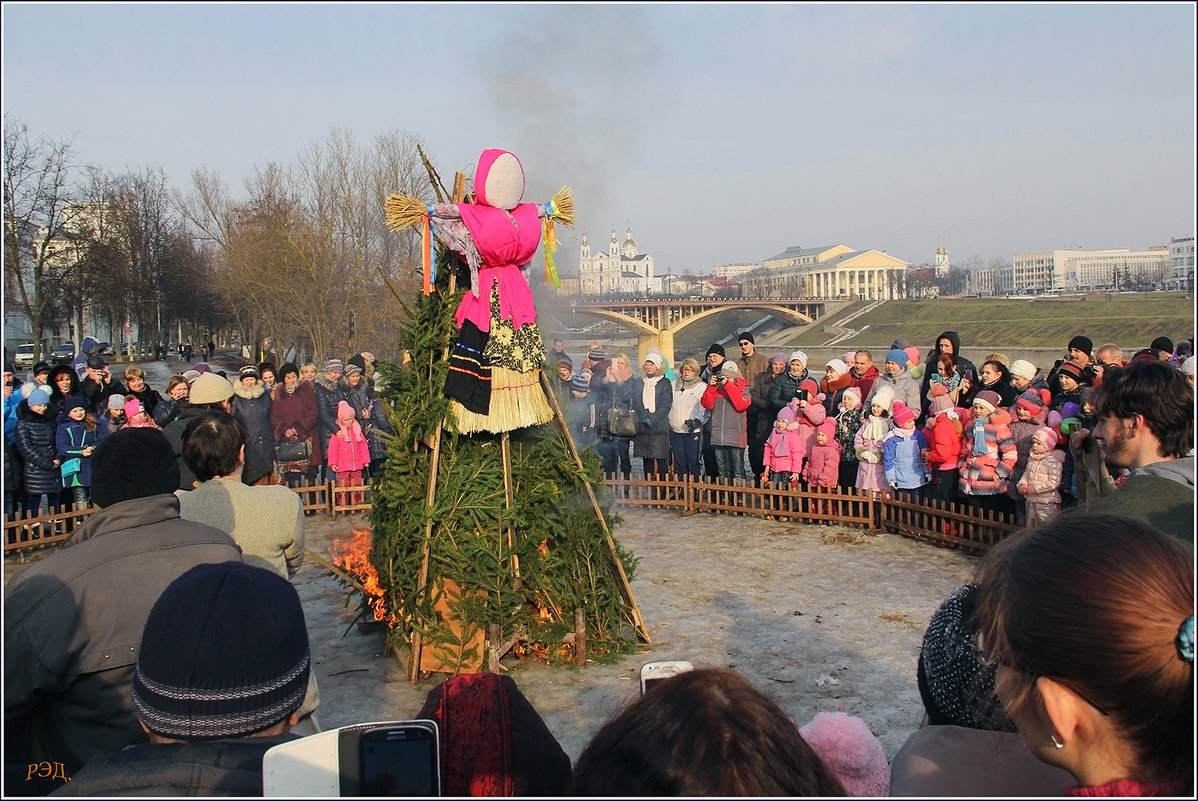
(901, 413)
(851, 751)
(827, 428)
(851, 397)
(344, 410)
(1047, 436)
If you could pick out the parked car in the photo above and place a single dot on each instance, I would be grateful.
(63, 354)
(24, 355)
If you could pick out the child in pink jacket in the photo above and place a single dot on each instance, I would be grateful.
(822, 471)
(783, 456)
(348, 451)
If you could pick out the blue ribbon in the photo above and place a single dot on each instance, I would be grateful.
(1185, 640)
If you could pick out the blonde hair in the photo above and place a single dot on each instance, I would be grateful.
(133, 371)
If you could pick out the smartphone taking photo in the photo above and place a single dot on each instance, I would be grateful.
(653, 672)
(399, 760)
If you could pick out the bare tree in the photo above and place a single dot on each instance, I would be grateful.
(39, 251)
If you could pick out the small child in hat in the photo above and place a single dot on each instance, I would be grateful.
(1042, 478)
(136, 415)
(580, 411)
(113, 419)
(348, 451)
(848, 421)
(905, 452)
(822, 469)
(75, 439)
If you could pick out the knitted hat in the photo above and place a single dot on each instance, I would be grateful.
(357, 360)
(957, 688)
(38, 396)
(851, 751)
(191, 375)
(730, 370)
(345, 410)
(900, 344)
(897, 356)
(1187, 366)
(224, 653)
(209, 388)
(901, 414)
(937, 390)
(493, 741)
(96, 362)
(565, 361)
(75, 402)
(203, 367)
(655, 358)
(249, 371)
(1021, 368)
(1163, 344)
(132, 407)
(747, 336)
(912, 355)
(1047, 436)
(798, 355)
(116, 403)
(1031, 400)
(778, 357)
(1071, 369)
(596, 354)
(941, 404)
(580, 383)
(884, 397)
(44, 367)
(839, 366)
(827, 428)
(1082, 343)
(287, 369)
(811, 387)
(333, 366)
(851, 397)
(987, 398)
(133, 463)
(352, 369)
(715, 348)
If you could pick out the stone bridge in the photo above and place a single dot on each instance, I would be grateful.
(656, 320)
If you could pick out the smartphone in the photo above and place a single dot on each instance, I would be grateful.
(400, 759)
(653, 672)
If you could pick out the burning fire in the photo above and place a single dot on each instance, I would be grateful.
(354, 558)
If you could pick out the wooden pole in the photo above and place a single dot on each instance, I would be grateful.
(459, 188)
(505, 443)
(621, 577)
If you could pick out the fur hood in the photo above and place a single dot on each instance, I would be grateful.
(256, 391)
(331, 386)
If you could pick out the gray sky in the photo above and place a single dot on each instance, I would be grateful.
(719, 133)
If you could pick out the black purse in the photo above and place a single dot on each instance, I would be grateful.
(294, 450)
(621, 421)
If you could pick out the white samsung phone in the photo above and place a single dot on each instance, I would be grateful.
(652, 672)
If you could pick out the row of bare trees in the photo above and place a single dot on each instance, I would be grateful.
(300, 265)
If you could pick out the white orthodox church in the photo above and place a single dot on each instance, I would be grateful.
(622, 270)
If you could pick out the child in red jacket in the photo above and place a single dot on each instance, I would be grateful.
(348, 450)
(943, 431)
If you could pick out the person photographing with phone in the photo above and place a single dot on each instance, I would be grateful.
(727, 398)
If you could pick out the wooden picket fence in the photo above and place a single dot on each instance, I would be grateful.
(948, 525)
(26, 532)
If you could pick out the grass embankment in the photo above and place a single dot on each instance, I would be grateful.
(1131, 318)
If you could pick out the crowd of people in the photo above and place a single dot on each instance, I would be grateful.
(1005, 437)
(1064, 667)
(302, 425)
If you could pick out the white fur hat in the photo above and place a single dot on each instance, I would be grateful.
(883, 396)
(838, 365)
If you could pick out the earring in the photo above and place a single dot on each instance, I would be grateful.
(1056, 741)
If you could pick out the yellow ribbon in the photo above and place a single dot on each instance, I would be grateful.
(550, 240)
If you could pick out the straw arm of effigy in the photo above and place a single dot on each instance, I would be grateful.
(405, 212)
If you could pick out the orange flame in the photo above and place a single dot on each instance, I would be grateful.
(354, 558)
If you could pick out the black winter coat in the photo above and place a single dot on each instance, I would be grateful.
(328, 395)
(35, 441)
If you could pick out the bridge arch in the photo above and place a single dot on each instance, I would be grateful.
(649, 336)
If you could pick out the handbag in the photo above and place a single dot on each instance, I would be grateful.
(621, 421)
(294, 450)
(70, 467)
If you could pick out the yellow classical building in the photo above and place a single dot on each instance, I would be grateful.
(831, 272)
